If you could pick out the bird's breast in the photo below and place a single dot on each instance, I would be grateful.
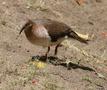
(40, 36)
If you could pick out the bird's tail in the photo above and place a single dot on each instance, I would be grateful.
(78, 37)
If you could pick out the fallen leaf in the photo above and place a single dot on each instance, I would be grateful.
(80, 2)
(39, 64)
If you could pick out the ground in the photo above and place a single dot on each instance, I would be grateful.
(17, 71)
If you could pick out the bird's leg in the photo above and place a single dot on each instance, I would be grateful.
(56, 49)
(47, 52)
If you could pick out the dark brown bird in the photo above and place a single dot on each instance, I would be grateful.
(47, 32)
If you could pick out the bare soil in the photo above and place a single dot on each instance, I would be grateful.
(17, 73)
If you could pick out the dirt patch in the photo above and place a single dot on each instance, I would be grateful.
(17, 73)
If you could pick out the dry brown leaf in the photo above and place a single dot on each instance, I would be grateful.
(39, 64)
(80, 2)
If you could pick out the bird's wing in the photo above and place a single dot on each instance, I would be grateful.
(55, 29)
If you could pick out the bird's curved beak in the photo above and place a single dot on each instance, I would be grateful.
(24, 27)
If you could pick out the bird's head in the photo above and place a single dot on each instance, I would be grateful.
(28, 24)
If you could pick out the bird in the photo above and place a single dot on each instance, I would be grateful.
(48, 32)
